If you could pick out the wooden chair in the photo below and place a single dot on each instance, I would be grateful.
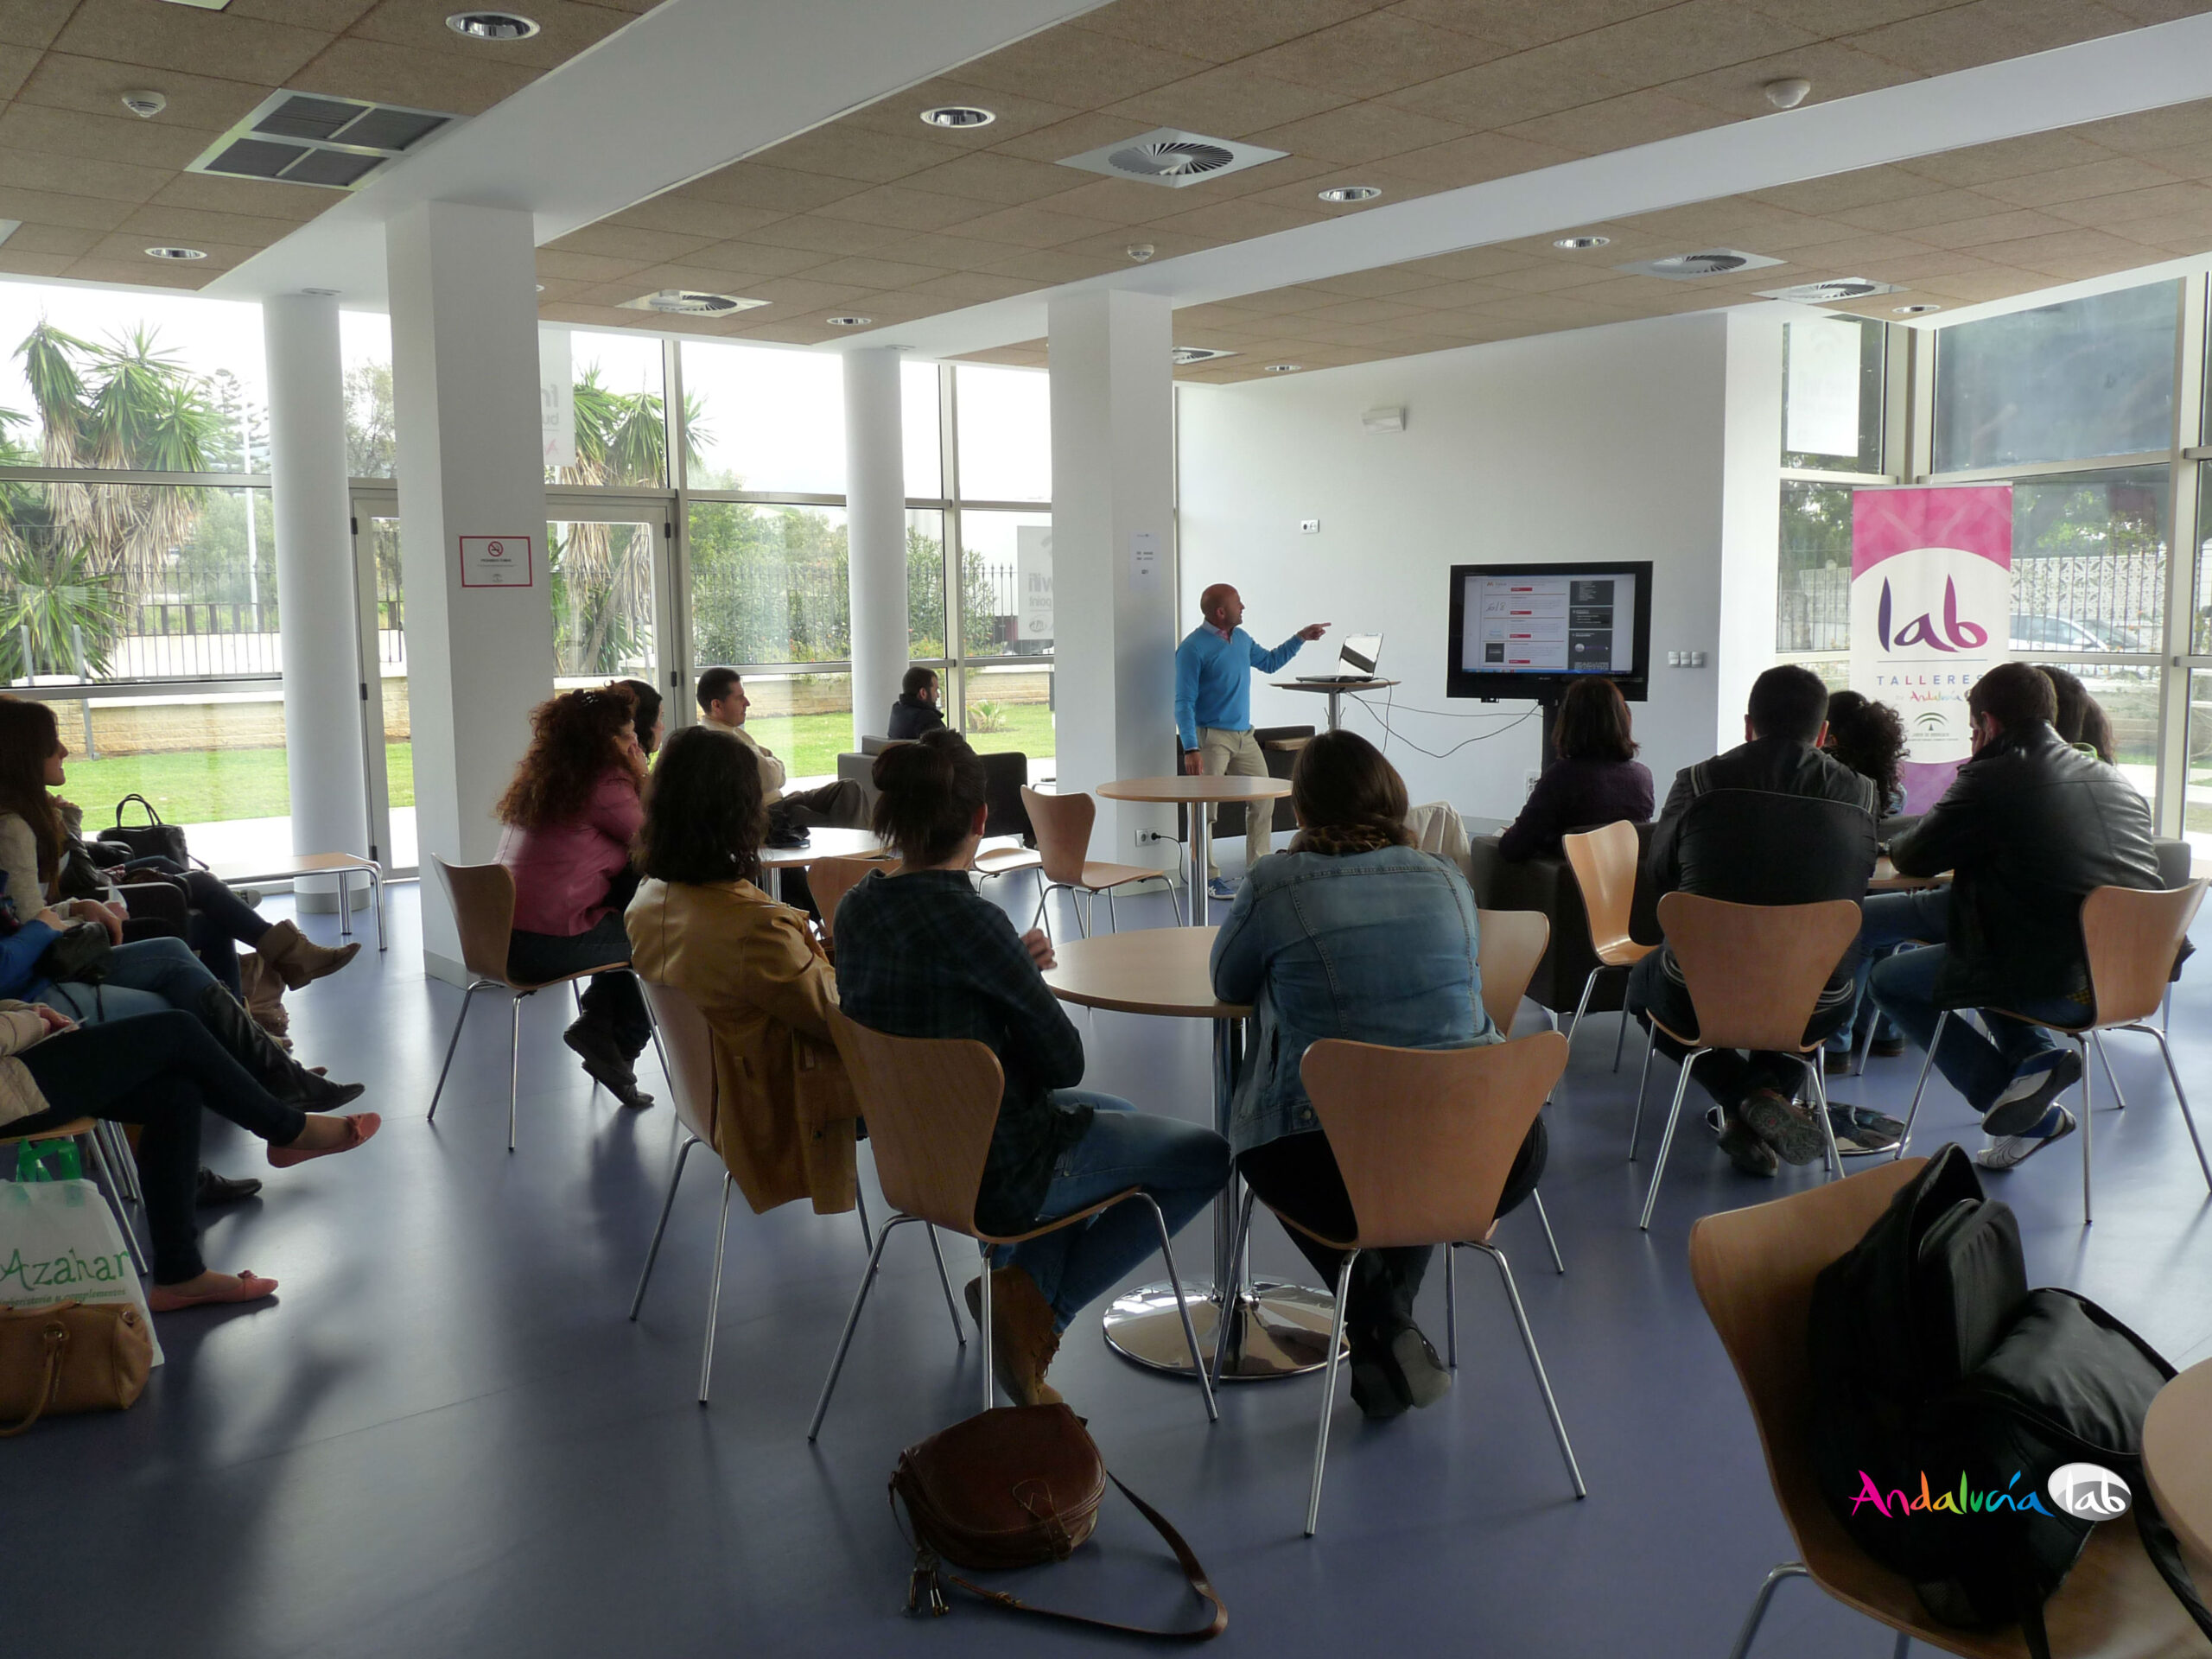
(1754, 1270)
(1425, 1138)
(1063, 825)
(1755, 974)
(2131, 937)
(831, 879)
(1511, 944)
(1603, 862)
(696, 1093)
(932, 1104)
(483, 899)
(90, 1135)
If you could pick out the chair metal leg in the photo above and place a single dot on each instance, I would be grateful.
(1229, 1293)
(2119, 1100)
(1183, 1306)
(1329, 1393)
(117, 1145)
(959, 1332)
(845, 1339)
(2174, 1076)
(1175, 903)
(1820, 1086)
(1904, 1646)
(111, 1189)
(983, 1324)
(1942, 1019)
(652, 1024)
(1082, 913)
(1787, 1570)
(715, 1292)
(1536, 1199)
(1451, 1307)
(514, 1067)
(1588, 983)
(466, 997)
(1666, 1141)
(2089, 1107)
(1620, 1037)
(1536, 1365)
(1044, 917)
(859, 1207)
(1636, 1124)
(1113, 916)
(653, 1251)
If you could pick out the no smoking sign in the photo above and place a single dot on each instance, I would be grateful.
(496, 561)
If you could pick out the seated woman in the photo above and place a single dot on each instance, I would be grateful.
(920, 955)
(35, 833)
(2081, 719)
(1351, 933)
(700, 924)
(159, 1071)
(1596, 780)
(571, 813)
(1869, 738)
(646, 724)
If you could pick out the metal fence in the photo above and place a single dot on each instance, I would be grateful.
(2086, 604)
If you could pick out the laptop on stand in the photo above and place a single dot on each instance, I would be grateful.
(1355, 660)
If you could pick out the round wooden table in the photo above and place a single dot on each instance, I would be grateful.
(2177, 1458)
(1197, 793)
(1280, 1330)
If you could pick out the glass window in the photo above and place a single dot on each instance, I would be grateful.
(1813, 602)
(2089, 378)
(807, 719)
(919, 440)
(147, 383)
(2089, 561)
(2201, 621)
(602, 579)
(200, 759)
(925, 586)
(768, 584)
(1002, 613)
(765, 420)
(1010, 707)
(621, 431)
(1832, 395)
(2197, 793)
(2129, 695)
(365, 345)
(1005, 434)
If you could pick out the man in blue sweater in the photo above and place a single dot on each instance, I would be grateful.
(1213, 711)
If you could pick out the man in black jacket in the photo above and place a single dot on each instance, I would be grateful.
(915, 711)
(2029, 827)
(1723, 835)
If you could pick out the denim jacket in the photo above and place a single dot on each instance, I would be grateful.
(1376, 947)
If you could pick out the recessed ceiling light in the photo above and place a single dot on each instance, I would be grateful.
(959, 115)
(848, 322)
(175, 253)
(1572, 242)
(1917, 310)
(492, 25)
(1351, 192)
(1282, 368)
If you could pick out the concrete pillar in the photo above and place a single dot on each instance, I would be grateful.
(876, 534)
(315, 582)
(1750, 529)
(1112, 553)
(465, 388)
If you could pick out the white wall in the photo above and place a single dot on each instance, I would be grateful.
(1617, 442)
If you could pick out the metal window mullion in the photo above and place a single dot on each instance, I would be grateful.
(116, 475)
(2169, 801)
(1810, 475)
(2038, 469)
(1917, 459)
(956, 620)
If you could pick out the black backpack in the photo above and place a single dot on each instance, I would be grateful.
(1947, 1393)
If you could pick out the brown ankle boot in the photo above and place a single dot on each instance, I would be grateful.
(297, 958)
(263, 992)
(1023, 1341)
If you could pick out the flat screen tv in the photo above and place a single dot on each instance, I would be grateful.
(1527, 631)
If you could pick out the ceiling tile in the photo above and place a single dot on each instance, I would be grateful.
(1633, 118)
(861, 272)
(1373, 284)
(1839, 17)
(1360, 311)
(1079, 68)
(33, 24)
(1231, 102)
(1556, 277)
(1910, 213)
(1480, 157)
(1073, 136)
(900, 114)
(802, 293)
(1125, 201)
(129, 248)
(52, 207)
(352, 68)
(1693, 38)
(776, 190)
(120, 137)
(584, 267)
(2157, 11)
(894, 206)
(69, 239)
(1470, 264)
(1841, 192)
(1857, 255)
(1305, 193)
(1922, 266)
(961, 288)
(824, 238)
(565, 28)
(1222, 30)
(1960, 37)
(1241, 221)
(1975, 287)
(695, 216)
(256, 198)
(653, 279)
(1994, 227)
(163, 37)
(1522, 24)
(950, 251)
(2119, 212)
(1034, 227)
(64, 81)
(2177, 124)
(848, 152)
(335, 15)
(157, 223)
(70, 176)
(1366, 132)
(23, 261)
(2092, 187)
(143, 272)
(1835, 70)
(1047, 267)
(2065, 253)
(1381, 52)
(1003, 179)
(628, 242)
(14, 70)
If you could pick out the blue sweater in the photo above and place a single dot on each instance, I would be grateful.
(1213, 680)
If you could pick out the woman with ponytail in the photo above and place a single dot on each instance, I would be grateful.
(1353, 934)
(920, 954)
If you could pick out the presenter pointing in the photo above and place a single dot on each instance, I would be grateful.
(1213, 711)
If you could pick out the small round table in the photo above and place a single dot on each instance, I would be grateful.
(2177, 1457)
(820, 844)
(1281, 1330)
(1258, 793)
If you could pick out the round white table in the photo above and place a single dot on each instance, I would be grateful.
(1280, 1330)
(820, 844)
(1197, 793)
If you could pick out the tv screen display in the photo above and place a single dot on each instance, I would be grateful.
(1526, 630)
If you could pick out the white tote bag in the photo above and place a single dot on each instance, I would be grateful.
(59, 1243)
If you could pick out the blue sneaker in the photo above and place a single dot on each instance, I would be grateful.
(2034, 1088)
(1223, 888)
(2010, 1151)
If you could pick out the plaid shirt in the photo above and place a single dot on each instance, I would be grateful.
(922, 956)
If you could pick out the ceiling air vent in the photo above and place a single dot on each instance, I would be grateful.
(1835, 288)
(689, 303)
(1173, 157)
(1689, 267)
(1184, 354)
(304, 138)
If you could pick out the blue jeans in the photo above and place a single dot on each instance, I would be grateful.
(146, 976)
(1181, 1165)
(1889, 922)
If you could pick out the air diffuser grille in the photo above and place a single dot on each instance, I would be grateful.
(1835, 288)
(1173, 157)
(689, 302)
(1707, 262)
(1184, 354)
(311, 139)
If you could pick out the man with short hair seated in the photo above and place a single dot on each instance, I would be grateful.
(2030, 826)
(1723, 835)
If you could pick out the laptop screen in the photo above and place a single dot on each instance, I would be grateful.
(1359, 652)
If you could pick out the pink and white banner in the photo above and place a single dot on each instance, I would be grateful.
(1931, 608)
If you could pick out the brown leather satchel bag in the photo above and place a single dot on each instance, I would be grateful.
(1018, 1486)
(70, 1357)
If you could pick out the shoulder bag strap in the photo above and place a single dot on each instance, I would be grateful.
(55, 1336)
(2165, 1551)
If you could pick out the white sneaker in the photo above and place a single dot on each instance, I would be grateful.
(2011, 1151)
(2024, 1105)
(1223, 888)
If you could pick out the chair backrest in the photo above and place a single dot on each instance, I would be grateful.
(830, 878)
(1509, 944)
(1063, 826)
(1005, 775)
(930, 1104)
(689, 1042)
(1603, 861)
(1425, 1137)
(2132, 938)
(1755, 972)
(483, 898)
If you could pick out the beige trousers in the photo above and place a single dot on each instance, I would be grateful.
(1237, 754)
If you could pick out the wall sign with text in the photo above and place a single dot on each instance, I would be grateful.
(496, 561)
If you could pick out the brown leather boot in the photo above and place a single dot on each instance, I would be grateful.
(263, 992)
(1023, 1341)
(298, 959)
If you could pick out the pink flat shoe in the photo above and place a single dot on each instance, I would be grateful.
(245, 1287)
(358, 1128)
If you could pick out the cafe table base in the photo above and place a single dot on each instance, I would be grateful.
(1281, 1331)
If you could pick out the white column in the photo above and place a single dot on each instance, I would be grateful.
(315, 582)
(465, 386)
(1113, 501)
(876, 534)
(1750, 529)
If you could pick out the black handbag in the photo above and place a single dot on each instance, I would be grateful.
(78, 955)
(151, 839)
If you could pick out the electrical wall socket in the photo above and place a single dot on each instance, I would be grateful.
(1309, 526)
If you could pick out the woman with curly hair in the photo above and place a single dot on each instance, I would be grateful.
(574, 808)
(1869, 738)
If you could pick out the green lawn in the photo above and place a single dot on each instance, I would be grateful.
(809, 745)
(206, 786)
